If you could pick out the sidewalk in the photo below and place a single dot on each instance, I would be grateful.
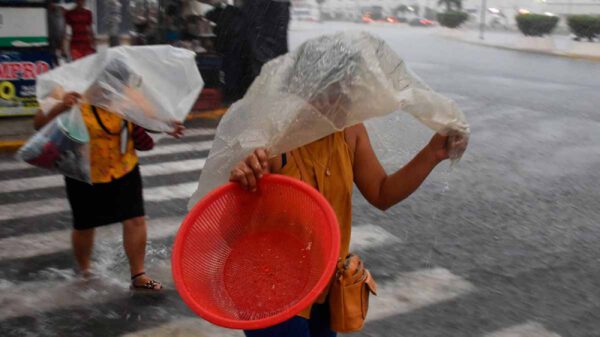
(559, 45)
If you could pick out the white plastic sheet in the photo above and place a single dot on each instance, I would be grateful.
(151, 86)
(327, 84)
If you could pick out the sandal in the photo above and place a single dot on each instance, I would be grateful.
(149, 285)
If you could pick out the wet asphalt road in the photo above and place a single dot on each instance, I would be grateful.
(505, 243)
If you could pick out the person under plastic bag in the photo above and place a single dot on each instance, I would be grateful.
(109, 187)
(333, 165)
(319, 137)
(150, 86)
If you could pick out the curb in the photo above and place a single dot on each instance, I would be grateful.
(12, 145)
(207, 114)
(592, 58)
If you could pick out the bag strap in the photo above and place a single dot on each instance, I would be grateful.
(303, 171)
(99, 120)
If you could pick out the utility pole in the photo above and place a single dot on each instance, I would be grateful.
(482, 19)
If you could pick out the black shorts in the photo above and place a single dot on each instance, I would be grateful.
(106, 203)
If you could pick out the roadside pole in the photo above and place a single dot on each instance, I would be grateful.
(482, 19)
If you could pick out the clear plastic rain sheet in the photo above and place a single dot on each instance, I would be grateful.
(325, 85)
(151, 86)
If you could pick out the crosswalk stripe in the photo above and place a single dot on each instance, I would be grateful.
(54, 205)
(186, 327)
(34, 183)
(60, 240)
(407, 292)
(413, 290)
(370, 236)
(416, 290)
(528, 329)
(172, 167)
(159, 149)
(13, 164)
(176, 148)
(192, 132)
(32, 298)
(163, 193)
(29, 298)
(32, 208)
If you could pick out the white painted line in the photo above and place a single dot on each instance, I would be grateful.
(56, 241)
(199, 132)
(33, 208)
(410, 291)
(414, 290)
(53, 205)
(31, 245)
(407, 292)
(528, 329)
(177, 148)
(171, 167)
(34, 183)
(370, 236)
(14, 165)
(187, 327)
(164, 193)
(31, 298)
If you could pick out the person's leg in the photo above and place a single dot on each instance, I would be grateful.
(294, 327)
(319, 321)
(83, 243)
(134, 242)
(76, 51)
(114, 40)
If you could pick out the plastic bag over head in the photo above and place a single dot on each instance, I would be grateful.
(151, 86)
(326, 85)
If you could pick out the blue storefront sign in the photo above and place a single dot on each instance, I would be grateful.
(18, 72)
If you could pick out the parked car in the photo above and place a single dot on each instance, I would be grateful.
(306, 14)
(420, 22)
(372, 14)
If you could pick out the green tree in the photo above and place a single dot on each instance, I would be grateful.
(450, 4)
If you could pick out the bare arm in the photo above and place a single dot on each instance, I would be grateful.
(42, 119)
(380, 189)
(383, 190)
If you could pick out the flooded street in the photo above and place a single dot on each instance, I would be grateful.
(503, 244)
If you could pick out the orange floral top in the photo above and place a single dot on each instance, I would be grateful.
(107, 161)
